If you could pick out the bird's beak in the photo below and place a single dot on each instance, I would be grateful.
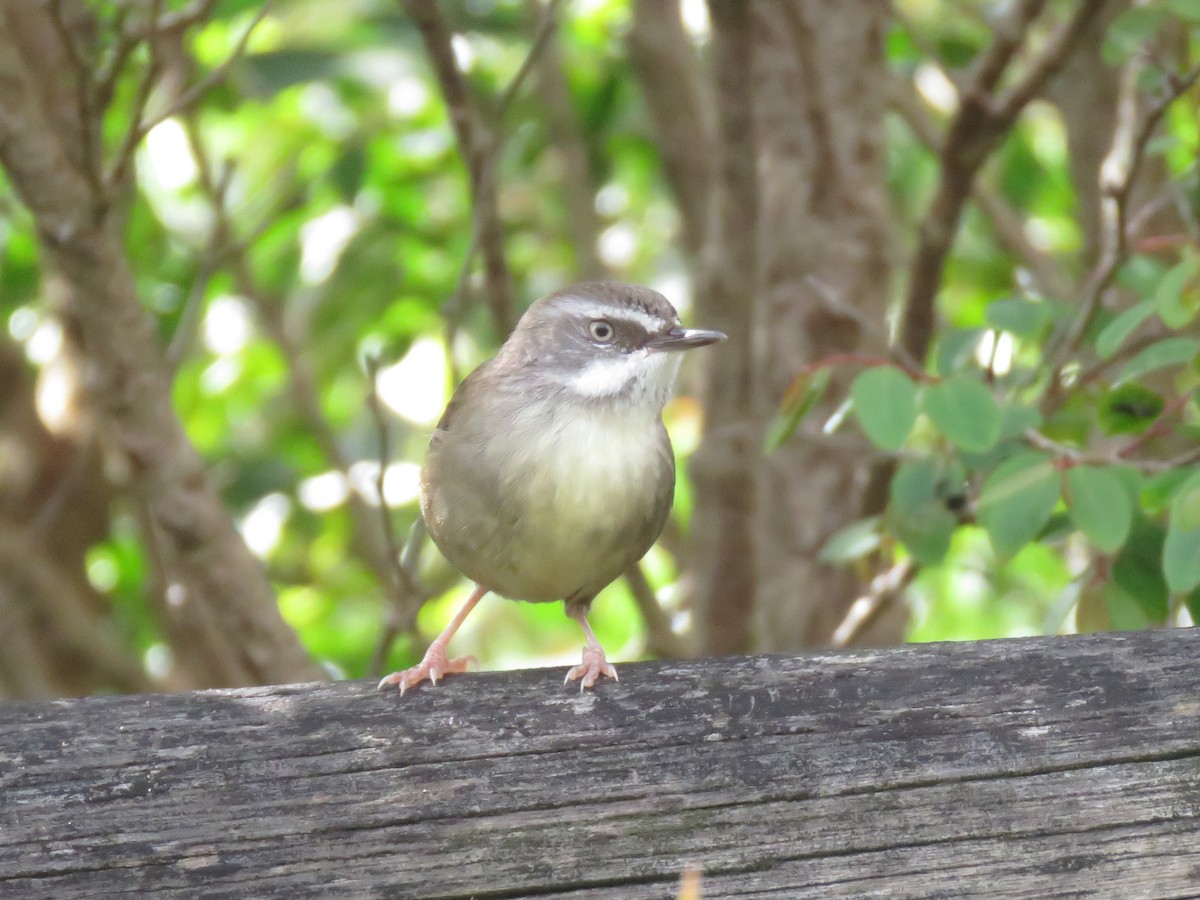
(684, 339)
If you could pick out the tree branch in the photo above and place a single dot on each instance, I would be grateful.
(680, 110)
(976, 129)
(1118, 174)
(1007, 222)
(723, 466)
(660, 639)
(208, 569)
(475, 146)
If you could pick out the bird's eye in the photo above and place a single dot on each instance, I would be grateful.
(601, 330)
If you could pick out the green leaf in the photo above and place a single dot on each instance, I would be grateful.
(917, 513)
(1024, 318)
(804, 393)
(1014, 420)
(1129, 31)
(1181, 551)
(1185, 503)
(1176, 306)
(1159, 489)
(1100, 506)
(965, 411)
(1137, 569)
(1017, 501)
(885, 400)
(1120, 328)
(271, 72)
(1174, 351)
(1181, 559)
(1141, 274)
(1185, 9)
(852, 542)
(956, 349)
(1129, 409)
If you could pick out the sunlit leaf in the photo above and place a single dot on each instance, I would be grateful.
(1175, 351)
(965, 411)
(1024, 318)
(1181, 559)
(1015, 420)
(1017, 500)
(271, 72)
(803, 394)
(1138, 569)
(1130, 30)
(917, 513)
(1120, 328)
(1185, 9)
(885, 401)
(1100, 506)
(1185, 503)
(956, 349)
(852, 542)
(1176, 304)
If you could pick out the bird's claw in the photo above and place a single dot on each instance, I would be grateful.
(434, 666)
(593, 666)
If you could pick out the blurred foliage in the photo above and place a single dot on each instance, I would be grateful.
(345, 185)
(1044, 485)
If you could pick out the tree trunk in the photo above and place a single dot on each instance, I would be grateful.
(217, 594)
(825, 271)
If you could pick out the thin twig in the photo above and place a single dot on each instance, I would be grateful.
(1007, 222)
(189, 318)
(1117, 177)
(480, 147)
(543, 34)
(885, 589)
(482, 213)
(109, 72)
(85, 89)
(134, 133)
(983, 118)
(82, 457)
(406, 593)
(376, 546)
(397, 624)
(402, 579)
(660, 639)
(140, 124)
(180, 20)
(869, 324)
(184, 100)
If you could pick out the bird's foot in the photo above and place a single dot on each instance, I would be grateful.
(434, 666)
(593, 666)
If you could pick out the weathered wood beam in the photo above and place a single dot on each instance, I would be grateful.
(1018, 768)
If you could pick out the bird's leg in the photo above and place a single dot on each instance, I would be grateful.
(594, 664)
(435, 664)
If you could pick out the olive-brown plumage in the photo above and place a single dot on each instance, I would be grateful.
(551, 471)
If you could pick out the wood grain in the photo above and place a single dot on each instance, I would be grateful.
(1045, 767)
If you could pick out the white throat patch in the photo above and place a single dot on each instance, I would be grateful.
(640, 376)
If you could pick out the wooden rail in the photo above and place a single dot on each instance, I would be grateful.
(1023, 768)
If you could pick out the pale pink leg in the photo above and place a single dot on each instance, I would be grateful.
(594, 664)
(435, 664)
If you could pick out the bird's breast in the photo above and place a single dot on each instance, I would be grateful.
(562, 501)
(591, 469)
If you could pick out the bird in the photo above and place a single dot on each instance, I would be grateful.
(550, 471)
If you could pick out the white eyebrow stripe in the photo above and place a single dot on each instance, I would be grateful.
(597, 310)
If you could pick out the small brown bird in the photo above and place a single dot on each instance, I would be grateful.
(550, 471)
